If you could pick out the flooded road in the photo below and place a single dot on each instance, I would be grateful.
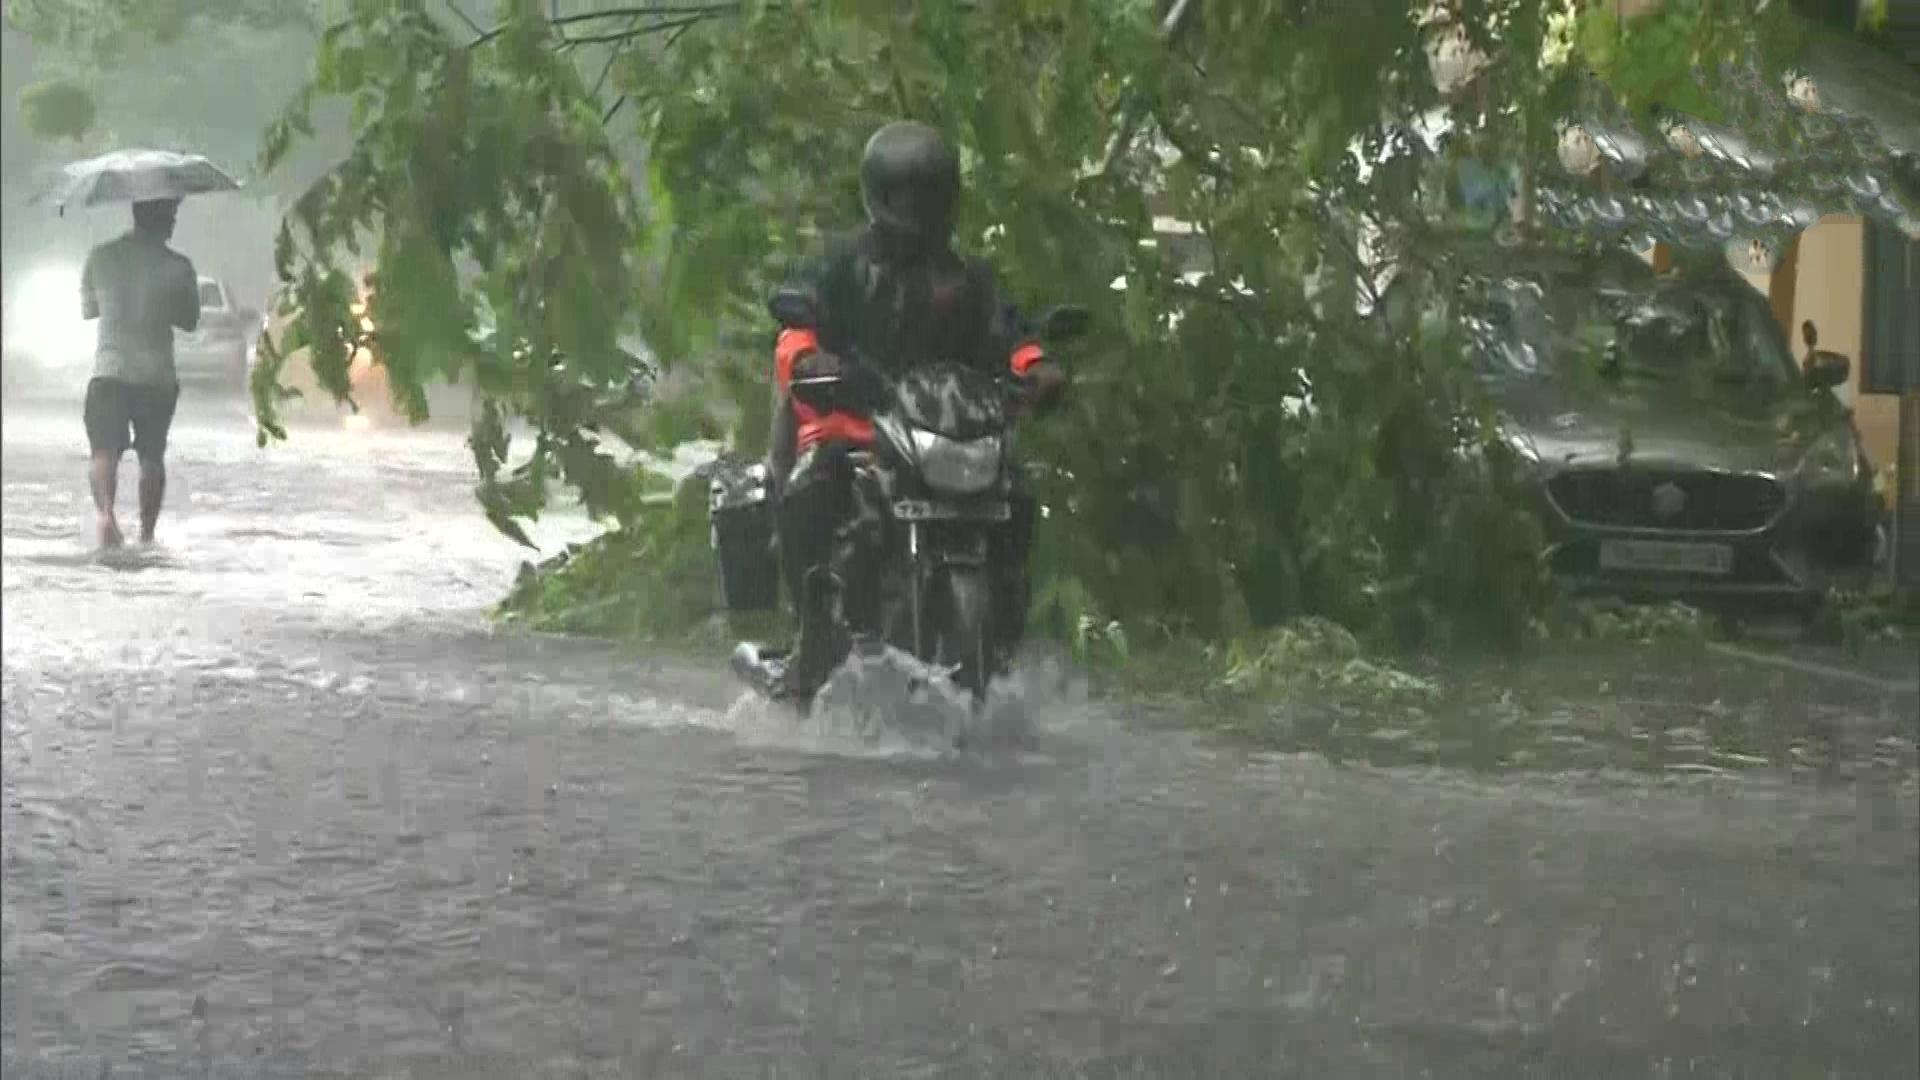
(278, 804)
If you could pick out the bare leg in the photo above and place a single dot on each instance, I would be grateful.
(104, 479)
(153, 490)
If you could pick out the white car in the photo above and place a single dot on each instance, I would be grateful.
(214, 353)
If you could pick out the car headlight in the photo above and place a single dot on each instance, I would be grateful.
(959, 468)
(45, 320)
(1833, 458)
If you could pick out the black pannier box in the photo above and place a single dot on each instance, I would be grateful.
(742, 532)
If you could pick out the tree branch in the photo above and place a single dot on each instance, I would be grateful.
(678, 26)
(681, 32)
(613, 56)
(672, 16)
(651, 11)
(900, 98)
(461, 14)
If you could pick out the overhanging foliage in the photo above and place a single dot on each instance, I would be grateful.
(1186, 487)
(1235, 509)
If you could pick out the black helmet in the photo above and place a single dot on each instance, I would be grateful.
(910, 183)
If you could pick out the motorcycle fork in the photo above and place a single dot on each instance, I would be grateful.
(920, 570)
(917, 583)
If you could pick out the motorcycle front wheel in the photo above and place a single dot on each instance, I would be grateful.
(958, 608)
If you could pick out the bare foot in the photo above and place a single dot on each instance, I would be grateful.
(109, 533)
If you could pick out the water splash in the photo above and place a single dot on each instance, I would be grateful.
(888, 704)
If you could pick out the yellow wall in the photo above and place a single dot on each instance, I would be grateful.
(1829, 289)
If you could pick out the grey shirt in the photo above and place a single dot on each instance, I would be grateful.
(140, 289)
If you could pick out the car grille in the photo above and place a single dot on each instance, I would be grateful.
(1708, 502)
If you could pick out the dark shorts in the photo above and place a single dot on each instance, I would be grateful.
(124, 414)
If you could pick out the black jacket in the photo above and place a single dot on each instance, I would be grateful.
(901, 314)
(898, 314)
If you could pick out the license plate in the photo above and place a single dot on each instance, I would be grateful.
(1667, 556)
(919, 510)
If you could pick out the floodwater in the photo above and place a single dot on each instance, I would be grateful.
(277, 803)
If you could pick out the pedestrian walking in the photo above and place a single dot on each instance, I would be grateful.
(140, 291)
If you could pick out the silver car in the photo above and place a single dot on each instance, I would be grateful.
(1678, 450)
(215, 353)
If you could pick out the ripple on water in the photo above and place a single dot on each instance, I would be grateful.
(129, 975)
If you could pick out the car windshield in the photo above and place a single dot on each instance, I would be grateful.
(1661, 334)
(210, 295)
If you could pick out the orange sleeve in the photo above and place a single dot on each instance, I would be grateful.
(1025, 357)
(793, 344)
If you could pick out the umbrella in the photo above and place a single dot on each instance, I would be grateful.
(139, 175)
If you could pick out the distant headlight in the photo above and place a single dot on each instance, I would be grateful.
(1833, 458)
(46, 321)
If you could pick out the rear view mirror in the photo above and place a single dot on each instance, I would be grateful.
(1827, 370)
(794, 309)
(821, 393)
(1065, 323)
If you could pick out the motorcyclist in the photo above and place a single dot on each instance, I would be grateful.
(895, 295)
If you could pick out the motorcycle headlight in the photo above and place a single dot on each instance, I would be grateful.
(961, 468)
(1833, 458)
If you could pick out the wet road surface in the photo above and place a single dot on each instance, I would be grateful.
(278, 804)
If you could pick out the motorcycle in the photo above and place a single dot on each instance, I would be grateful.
(942, 459)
